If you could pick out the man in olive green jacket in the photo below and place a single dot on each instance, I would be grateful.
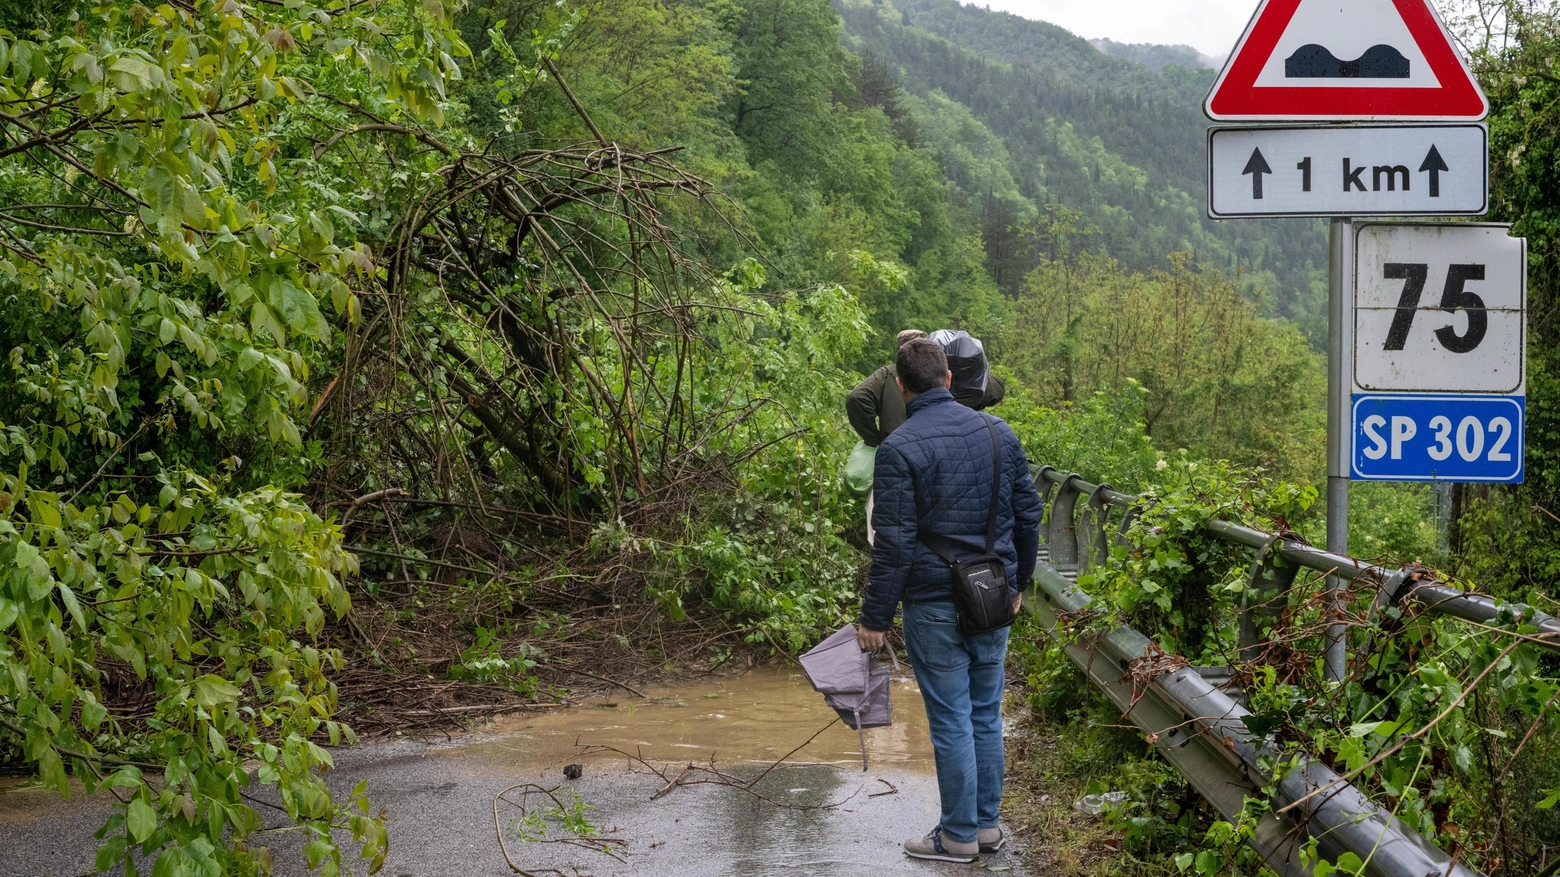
(874, 407)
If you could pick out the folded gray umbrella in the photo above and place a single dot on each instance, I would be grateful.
(852, 682)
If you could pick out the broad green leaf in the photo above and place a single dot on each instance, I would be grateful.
(212, 690)
(52, 771)
(262, 320)
(126, 777)
(73, 606)
(140, 820)
(133, 74)
(110, 852)
(26, 553)
(92, 712)
(1380, 729)
(297, 307)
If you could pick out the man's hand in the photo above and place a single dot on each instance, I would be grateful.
(869, 640)
(1018, 601)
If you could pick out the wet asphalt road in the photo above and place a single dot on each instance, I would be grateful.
(440, 803)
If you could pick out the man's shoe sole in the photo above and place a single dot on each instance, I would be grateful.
(993, 848)
(945, 857)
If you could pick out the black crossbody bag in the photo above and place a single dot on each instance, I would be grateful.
(980, 583)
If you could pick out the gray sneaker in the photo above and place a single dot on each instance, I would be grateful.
(991, 839)
(936, 848)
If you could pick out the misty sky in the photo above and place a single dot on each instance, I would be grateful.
(1211, 26)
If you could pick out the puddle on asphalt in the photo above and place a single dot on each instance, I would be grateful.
(755, 718)
(446, 802)
(23, 799)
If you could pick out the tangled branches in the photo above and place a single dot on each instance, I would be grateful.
(537, 340)
(531, 824)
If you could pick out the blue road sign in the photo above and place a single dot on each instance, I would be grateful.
(1432, 437)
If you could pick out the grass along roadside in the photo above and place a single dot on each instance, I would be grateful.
(1067, 742)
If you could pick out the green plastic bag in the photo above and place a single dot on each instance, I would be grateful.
(858, 469)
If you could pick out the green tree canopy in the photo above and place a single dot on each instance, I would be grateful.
(173, 265)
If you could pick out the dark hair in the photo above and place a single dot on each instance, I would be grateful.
(921, 365)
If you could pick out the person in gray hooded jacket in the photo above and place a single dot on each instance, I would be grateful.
(974, 386)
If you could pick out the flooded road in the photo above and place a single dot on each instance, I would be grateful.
(458, 808)
(752, 719)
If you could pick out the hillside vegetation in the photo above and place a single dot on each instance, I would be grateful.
(1105, 136)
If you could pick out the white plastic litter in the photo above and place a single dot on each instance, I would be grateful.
(1094, 805)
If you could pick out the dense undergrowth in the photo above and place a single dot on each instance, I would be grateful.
(1444, 723)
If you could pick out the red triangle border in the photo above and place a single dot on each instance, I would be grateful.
(1236, 97)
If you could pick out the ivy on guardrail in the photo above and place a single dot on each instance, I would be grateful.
(1170, 575)
(1446, 724)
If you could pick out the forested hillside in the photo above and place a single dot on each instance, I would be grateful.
(1070, 125)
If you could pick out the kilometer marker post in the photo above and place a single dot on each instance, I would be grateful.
(1326, 63)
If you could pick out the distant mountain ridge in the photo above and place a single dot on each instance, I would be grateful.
(1157, 56)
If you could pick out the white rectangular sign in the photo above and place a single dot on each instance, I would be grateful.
(1348, 170)
(1440, 309)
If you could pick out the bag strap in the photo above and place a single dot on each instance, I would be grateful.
(996, 484)
(939, 543)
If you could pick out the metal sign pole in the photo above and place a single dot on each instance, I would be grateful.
(1340, 341)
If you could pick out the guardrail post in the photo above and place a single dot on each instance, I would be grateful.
(1044, 484)
(1127, 520)
(1271, 579)
(1093, 544)
(1387, 594)
(1061, 527)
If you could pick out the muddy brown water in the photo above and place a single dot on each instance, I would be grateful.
(755, 718)
(447, 804)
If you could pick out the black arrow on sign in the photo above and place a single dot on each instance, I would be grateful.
(1257, 166)
(1435, 164)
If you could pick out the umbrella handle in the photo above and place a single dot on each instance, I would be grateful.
(861, 738)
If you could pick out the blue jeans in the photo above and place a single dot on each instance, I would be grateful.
(961, 680)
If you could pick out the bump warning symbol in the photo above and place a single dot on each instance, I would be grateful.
(1321, 60)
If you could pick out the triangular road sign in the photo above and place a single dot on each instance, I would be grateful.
(1323, 60)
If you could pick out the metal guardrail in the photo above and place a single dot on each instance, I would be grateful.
(1197, 727)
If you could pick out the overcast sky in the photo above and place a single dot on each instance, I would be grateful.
(1210, 26)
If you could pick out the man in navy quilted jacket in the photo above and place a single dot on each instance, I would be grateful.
(933, 475)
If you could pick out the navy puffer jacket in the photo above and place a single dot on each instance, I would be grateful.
(934, 473)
